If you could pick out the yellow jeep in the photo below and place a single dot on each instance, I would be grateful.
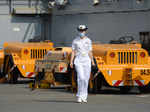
(19, 58)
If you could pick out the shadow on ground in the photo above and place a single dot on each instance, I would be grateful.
(104, 91)
(55, 101)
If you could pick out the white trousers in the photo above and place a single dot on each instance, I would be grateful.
(83, 74)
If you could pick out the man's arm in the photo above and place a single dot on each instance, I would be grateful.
(72, 58)
(91, 57)
(90, 53)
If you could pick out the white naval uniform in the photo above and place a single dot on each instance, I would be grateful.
(82, 63)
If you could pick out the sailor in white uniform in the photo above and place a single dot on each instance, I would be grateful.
(82, 57)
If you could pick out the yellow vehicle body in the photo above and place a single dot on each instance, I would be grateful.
(1, 66)
(53, 69)
(1, 58)
(123, 64)
(22, 57)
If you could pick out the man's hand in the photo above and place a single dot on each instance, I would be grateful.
(93, 64)
(71, 65)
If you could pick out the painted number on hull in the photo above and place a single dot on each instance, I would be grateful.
(145, 72)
